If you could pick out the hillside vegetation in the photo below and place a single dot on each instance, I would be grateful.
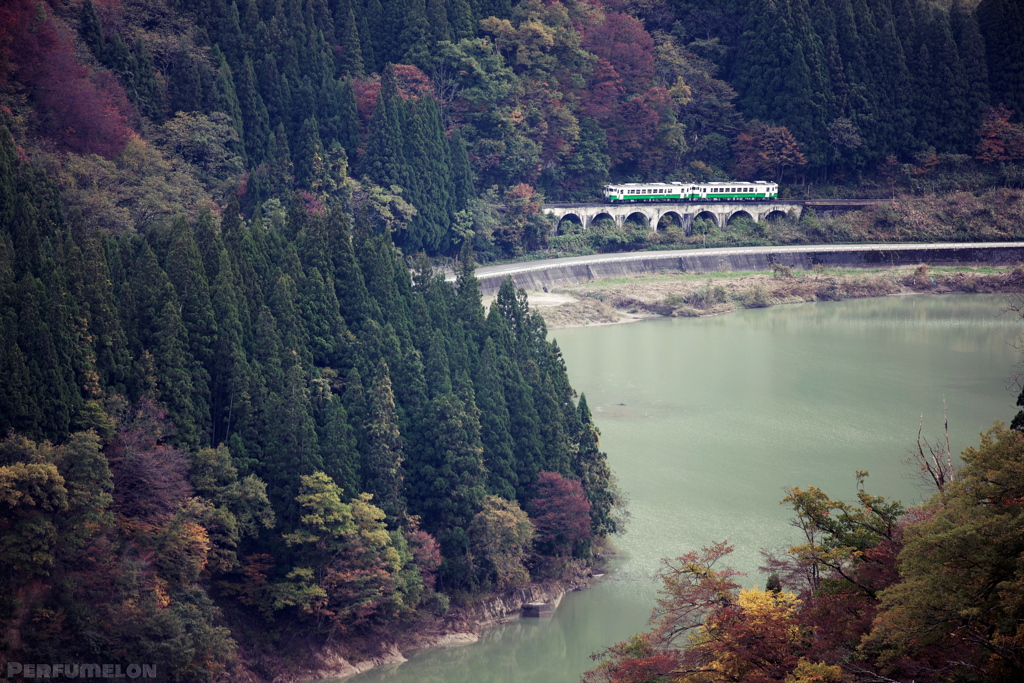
(240, 412)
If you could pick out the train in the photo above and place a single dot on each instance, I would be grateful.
(691, 192)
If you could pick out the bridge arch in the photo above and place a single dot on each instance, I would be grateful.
(742, 213)
(669, 218)
(600, 216)
(707, 216)
(644, 219)
(570, 222)
(775, 215)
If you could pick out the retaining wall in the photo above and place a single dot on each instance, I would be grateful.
(545, 275)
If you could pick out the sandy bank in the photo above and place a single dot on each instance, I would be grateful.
(629, 299)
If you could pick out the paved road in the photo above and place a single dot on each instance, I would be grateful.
(526, 266)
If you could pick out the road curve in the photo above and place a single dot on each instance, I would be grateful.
(533, 275)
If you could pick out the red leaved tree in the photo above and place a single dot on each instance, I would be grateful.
(561, 515)
(627, 46)
(82, 109)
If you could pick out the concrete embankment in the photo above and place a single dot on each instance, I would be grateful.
(545, 275)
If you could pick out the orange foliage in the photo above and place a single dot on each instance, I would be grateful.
(1000, 139)
(769, 150)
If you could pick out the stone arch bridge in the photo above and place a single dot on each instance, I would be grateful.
(681, 213)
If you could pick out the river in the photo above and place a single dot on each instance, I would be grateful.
(706, 422)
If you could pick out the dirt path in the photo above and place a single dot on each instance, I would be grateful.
(685, 295)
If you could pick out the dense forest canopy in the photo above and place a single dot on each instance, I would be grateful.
(271, 418)
(229, 412)
(448, 107)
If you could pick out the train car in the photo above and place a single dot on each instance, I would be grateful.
(717, 191)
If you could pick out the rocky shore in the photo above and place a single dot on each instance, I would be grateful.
(462, 625)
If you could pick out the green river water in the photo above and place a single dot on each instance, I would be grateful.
(707, 421)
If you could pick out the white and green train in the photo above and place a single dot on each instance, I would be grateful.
(689, 192)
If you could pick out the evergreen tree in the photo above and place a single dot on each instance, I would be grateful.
(310, 167)
(255, 118)
(280, 171)
(591, 467)
(369, 27)
(351, 63)
(430, 178)
(460, 20)
(499, 449)
(162, 335)
(274, 89)
(148, 91)
(91, 31)
(225, 98)
(186, 84)
(437, 20)
(338, 117)
(389, 33)
(971, 50)
(187, 275)
(1002, 24)
(383, 474)
(956, 130)
(385, 162)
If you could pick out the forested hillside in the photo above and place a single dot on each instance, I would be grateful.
(445, 108)
(228, 410)
(271, 417)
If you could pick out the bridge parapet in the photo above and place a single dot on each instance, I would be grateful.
(684, 213)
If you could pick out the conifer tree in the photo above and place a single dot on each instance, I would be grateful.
(971, 50)
(274, 89)
(91, 31)
(956, 130)
(383, 474)
(499, 453)
(225, 98)
(280, 169)
(437, 20)
(186, 86)
(591, 467)
(187, 275)
(430, 177)
(255, 119)
(310, 166)
(460, 20)
(369, 28)
(337, 442)
(230, 375)
(385, 162)
(351, 61)
(338, 117)
(161, 333)
(150, 97)
(1002, 23)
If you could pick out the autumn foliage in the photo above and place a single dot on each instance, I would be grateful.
(560, 513)
(1001, 141)
(877, 592)
(81, 108)
(766, 151)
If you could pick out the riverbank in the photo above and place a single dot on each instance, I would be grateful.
(344, 658)
(629, 299)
